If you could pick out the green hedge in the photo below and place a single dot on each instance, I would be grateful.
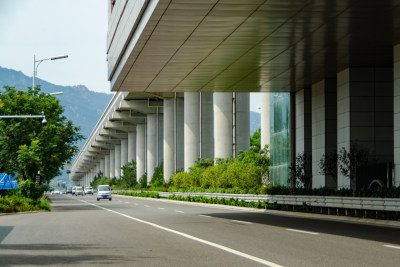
(14, 203)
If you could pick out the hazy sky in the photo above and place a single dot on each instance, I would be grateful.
(47, 28)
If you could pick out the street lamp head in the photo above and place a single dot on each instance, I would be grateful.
(44, 121)
(58, 57)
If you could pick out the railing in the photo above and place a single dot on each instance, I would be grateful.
(354, 203)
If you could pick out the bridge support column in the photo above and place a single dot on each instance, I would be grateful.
(173, 136)
(131, 146)
(152, 138)
(124, 153)
(117, 165)
(242, 122)
(324, 133)
(112, 163)
(222, 125)
(365, 115)
(107, 166)
(396, 111)
(140, 151)
(192, 128)
(207, 126)
(102, 165)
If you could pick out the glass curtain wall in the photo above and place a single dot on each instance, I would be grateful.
(280, 139)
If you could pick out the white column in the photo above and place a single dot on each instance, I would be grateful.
(140, 153)
(117, 165)
(222, 125)
(396, 113)
(242, 104)
(179, 131)
(323, 130)
(169, 142)
(112, 163)
(192, 128)
(131, 146)
(207, 126)
(151, 145)
(124, 152)
(265, 119)
(107, 166)
(102, 166)
(160, 140)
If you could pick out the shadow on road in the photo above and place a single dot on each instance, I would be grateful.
(41, 254)
(354, 230)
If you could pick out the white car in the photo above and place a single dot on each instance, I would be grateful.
(88, 190)
(73, 190)
(79, 191)
(104, 192)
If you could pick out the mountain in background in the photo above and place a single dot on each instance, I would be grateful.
(82, 106)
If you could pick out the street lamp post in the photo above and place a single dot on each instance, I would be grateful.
(35, 67)
(44, 121)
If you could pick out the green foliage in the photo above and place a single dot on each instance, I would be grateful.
(28, 189)
(143, 181)
(14, 203)
(255, 141)
(158, 176)
(128, 179)
(26, 145)
(142, 194)
(247, 172)
(300, 172)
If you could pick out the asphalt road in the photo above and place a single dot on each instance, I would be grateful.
(148, 232)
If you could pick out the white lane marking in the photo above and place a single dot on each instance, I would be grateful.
(126, 202)
(204, 216)
(179, 211)
(212, 244)
(303, 232)
(147, 206)
(390, 246)
(161, 208)
(136, 204)
(241, 222)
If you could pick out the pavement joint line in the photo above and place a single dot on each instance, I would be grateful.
(203, 241)
(391, 246)
(301, 231)
(242, 222)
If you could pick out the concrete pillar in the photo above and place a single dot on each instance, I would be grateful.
(152, 139)
(160, 140)
(107, 166)
(242, 121)
(117, 165)
(102, 166)
(396, 114)
(169, 141)
(222, 125)
(265, 119)
(324, 133)
(124, 152)
(179, 132)
(112, 163)
(131, 146)
(207, 126)
(365, 114)
(192, 128)
(303, 125)
(140, 151)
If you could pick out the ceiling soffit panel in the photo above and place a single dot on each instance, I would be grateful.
(255, 46)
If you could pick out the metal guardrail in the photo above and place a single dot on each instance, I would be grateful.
(357, 203)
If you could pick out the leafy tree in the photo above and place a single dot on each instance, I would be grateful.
(27, 146)
(255, 140)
